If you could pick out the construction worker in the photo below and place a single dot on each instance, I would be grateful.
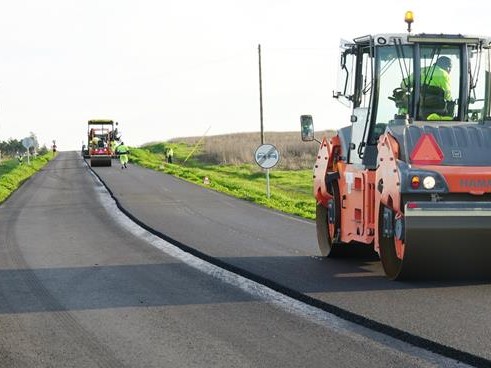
(20, 158)
(95, 142)
(436, 101)
(170, 155)
(123, 152)
(113, 145)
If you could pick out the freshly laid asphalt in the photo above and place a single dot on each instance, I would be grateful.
(283, 249)
(81, 288)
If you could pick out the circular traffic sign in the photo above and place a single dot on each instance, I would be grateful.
(267, 156)
(28, 142)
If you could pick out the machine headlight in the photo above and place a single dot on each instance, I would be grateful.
(429, 182)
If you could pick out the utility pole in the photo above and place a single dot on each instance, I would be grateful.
(260, 95)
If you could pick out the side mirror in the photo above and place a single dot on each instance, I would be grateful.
(307, 128)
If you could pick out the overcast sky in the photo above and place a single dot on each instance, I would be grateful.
(175, 68)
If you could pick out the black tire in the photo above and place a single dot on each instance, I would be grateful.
(325, 236)
(391, 263)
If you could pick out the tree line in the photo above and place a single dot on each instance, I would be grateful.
(14, 147)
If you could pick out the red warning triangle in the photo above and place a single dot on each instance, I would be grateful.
(427, 151)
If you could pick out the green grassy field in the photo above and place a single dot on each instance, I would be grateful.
(290, 190)
(12, 175)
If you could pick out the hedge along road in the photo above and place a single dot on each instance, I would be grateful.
(280, 251)
(83, 286)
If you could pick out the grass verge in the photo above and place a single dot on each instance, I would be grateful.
(290, 190)
(12, 175)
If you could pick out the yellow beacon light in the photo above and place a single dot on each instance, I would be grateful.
(409, 19)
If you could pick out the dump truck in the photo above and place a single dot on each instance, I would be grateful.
(101, 139)
(410, 175)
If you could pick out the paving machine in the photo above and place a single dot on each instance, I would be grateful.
(101, 142)
(411, 175)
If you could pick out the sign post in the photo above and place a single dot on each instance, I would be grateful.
(260, 94)
(267, 156)
(28, 143)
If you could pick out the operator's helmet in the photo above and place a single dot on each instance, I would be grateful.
(444, 62)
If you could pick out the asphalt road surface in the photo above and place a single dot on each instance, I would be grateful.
(82, 285)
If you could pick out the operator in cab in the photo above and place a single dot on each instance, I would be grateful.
(436, 102)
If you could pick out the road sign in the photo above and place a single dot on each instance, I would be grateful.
(267, 156)
(28, 142)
